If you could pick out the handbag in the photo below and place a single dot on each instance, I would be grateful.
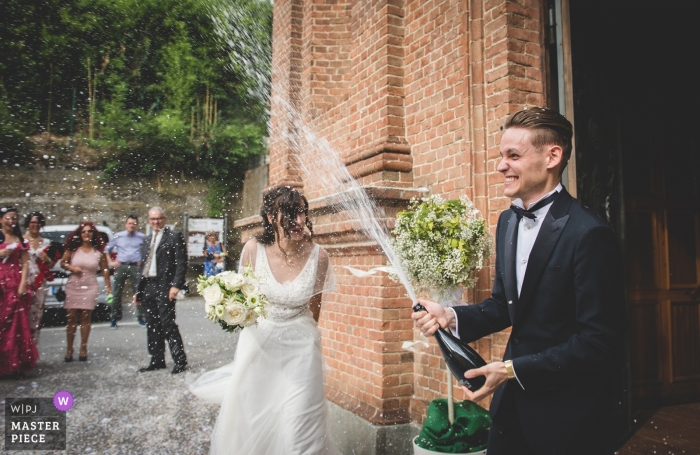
(60, 295)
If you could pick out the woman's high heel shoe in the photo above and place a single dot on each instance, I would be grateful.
(82, 358)
(68, 359)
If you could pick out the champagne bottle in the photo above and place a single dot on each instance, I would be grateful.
(459, 356)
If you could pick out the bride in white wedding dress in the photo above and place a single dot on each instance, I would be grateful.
(272, 396)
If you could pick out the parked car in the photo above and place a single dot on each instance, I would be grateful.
(54, 314)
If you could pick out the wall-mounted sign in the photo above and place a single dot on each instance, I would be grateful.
(197, 229)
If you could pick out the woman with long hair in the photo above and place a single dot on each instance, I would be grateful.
(41, 260)
(83, 258)
(17, 348)
(273, 401)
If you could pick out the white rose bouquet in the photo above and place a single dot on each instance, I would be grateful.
(441, 244)
(233, 300)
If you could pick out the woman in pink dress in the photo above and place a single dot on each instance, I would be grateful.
(17, 349)
(83, 259)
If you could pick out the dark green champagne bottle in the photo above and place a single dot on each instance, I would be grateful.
(458, 355)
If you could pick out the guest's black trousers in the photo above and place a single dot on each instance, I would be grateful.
(160, 323)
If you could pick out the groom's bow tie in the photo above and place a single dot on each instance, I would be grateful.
(530, 213)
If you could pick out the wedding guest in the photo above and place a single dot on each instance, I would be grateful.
(18, 351)
(214, 254)
(83, 258)
(161, 276)
(41, 260)
(126, 266)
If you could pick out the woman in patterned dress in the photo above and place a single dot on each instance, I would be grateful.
(17, 348)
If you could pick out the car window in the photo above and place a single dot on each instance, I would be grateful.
(56, 236)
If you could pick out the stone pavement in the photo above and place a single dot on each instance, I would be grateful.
(118, 410)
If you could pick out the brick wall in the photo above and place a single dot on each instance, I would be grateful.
(410, 94)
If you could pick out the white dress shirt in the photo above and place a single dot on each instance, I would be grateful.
(152, 270)
(527, 234)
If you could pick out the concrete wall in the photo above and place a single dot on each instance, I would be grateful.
(71, 196)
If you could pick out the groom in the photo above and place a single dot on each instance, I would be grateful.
(559, 286)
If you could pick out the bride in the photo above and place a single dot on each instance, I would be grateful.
(272, 396)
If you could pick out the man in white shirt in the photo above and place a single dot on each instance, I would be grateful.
(559, 286)
(161, 276)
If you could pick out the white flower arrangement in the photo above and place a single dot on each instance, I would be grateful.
(441, 244)
(233, 300)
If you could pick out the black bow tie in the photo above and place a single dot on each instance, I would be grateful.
(529, 213)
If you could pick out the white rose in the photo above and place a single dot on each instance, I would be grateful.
(232, 281)
(213, 295)
(250, 286)
(250, 319)
(235, 313)
(208, 307)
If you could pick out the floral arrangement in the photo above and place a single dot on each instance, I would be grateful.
(441, 244)
(232, 299)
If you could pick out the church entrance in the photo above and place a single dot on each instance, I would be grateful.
(635, 102)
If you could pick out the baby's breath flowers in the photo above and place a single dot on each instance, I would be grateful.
(441, 244)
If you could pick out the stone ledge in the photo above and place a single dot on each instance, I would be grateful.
(354, 435)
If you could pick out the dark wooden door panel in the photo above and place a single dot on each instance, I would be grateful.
(646, 342)
(685, 338)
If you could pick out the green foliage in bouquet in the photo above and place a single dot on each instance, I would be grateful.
(441, 243)
(233, 300)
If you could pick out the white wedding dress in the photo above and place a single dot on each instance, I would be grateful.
(272, 396)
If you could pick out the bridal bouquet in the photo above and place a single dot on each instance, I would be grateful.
(232, 299)
(441, 244)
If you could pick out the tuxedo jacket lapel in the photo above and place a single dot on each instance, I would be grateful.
(550, 232)
(511, 281)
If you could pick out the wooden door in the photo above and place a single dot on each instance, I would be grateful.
(663, 264)
(637, 147)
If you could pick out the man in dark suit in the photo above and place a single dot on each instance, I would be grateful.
(160, 278)
(559, 286)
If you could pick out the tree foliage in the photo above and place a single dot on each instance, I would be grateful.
(162, 86)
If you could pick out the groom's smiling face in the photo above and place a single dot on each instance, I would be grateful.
(528, 170)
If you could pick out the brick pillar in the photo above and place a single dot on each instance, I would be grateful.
(285, 91)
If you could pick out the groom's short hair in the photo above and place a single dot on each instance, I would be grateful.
(548, 127)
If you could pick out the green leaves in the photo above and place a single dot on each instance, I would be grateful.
(172, 95)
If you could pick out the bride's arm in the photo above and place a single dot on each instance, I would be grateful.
(322, 274)
(248, 255)
(315, 306)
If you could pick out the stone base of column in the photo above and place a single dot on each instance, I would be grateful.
(354, 435)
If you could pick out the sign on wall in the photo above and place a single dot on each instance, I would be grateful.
(197, 229)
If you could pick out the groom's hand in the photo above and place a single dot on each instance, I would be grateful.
(496, 374)
(436, 316)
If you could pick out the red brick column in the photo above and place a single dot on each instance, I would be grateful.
(286, 87)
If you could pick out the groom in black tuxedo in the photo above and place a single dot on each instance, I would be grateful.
(160, 278)
(559, 286)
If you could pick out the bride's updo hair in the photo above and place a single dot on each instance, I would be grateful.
(288, 202)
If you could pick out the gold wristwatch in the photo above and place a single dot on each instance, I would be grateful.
(509, 369)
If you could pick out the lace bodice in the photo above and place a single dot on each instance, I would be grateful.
(287, 300)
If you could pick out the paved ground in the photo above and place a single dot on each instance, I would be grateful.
(118, 410)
